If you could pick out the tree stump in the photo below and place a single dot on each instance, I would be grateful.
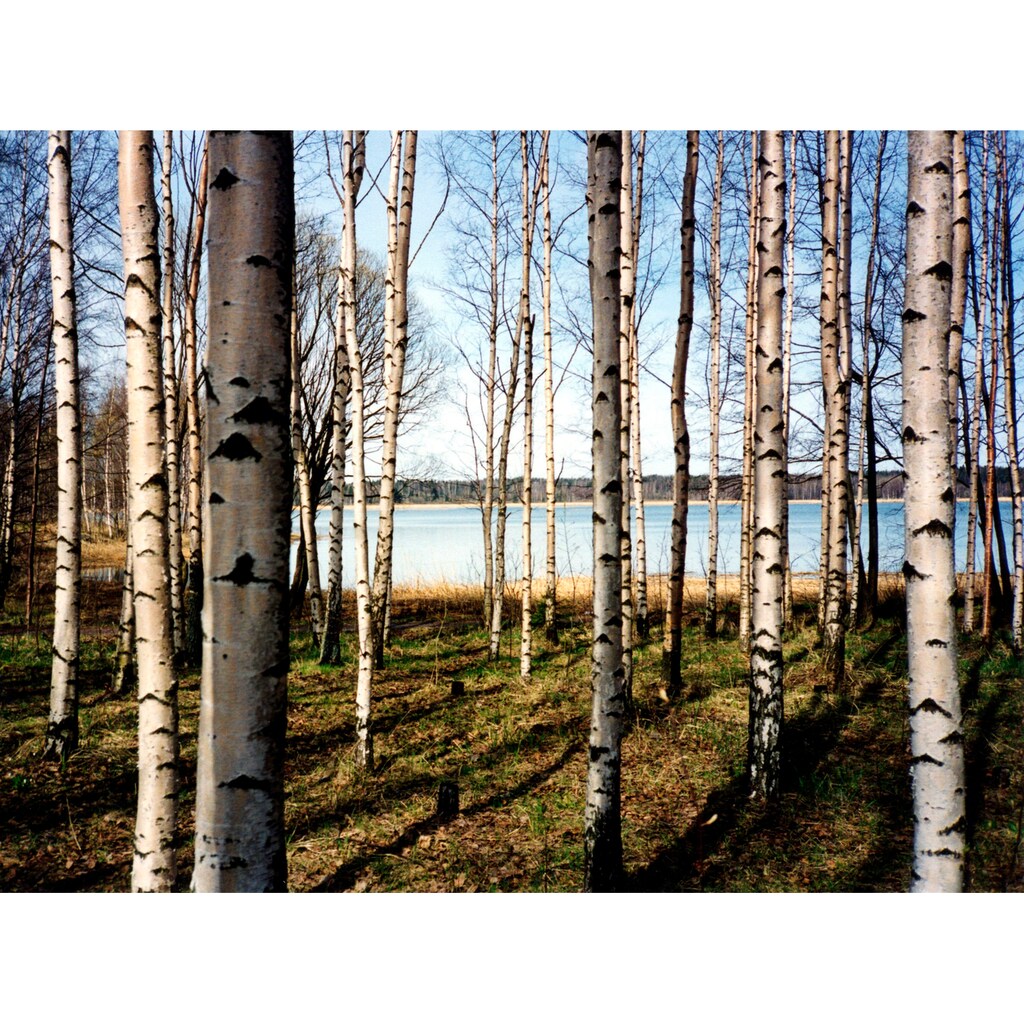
(447, 801)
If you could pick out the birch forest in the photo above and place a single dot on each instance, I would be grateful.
(511, 511)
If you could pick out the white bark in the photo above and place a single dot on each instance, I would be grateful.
(240, 840)
(936, 739)
(627, 296)
(602, 842)
(766, 693)
(62, 725)
(154, 868)
(714, 398)
(551, 576)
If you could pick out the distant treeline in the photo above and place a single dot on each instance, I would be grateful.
(656, 488)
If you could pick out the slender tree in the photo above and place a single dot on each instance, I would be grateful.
(171, 399)
(396, 340)
(714, 397)
(62, 726)
(551, 574)
(154, 868)
(936, 738)
(602, 842)
(671, 661)
(766, 695)
(240, 838)
(834, 384)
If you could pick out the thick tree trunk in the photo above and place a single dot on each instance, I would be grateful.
(154, 868)
(671, 672)
(766, 695)
(715, 402)
(936, 739)
(602, 840)
(787, 373)
(62, 725)
(240, 838)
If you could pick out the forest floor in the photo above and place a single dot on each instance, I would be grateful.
(518, 753)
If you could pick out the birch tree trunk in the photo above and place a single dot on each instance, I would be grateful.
(171, 401)
(936, 739)
(487, 506)
(1010, 406)
(766, 694)
(307, 505)
(640, 618)
(627, 296)
(125, 676)
(988, 581)
(62, 725)
(193, 603)
(837, 438)
(749, 401)
(602, 842)
(979, 374)
(856, 598)
(154, 867)
(240, 839)
(396, 341)
(352, 169)
(551, 576)
(330, 648)
(787, 374)
(526, 627)
(671, 671)
(958, 308)
(714, 399)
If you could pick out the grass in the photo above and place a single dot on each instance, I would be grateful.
(518, 753)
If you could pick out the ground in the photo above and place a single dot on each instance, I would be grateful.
(517, 752)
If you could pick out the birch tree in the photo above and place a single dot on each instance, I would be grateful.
(330, 648)
(835, 465)
(171, 399)
(936, 738)
(551, 569)
(396, 340)
(240, 839)
(602, 842)
(766, 694)
(680, 431)
(714, 397)
(62, 725)
(627, 299)
(154, 867)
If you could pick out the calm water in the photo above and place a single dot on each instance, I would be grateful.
(442, 543)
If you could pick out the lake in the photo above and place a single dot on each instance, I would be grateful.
(444, 543)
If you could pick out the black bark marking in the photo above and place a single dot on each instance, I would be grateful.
(936, 643)
(247, 782)
(239, 382)
(911, 316)
(910, 573)
(925, 759)
(257, 260)
(954, 738)
(942, 270)
(931, 706)
(933, 528)
(258, 411)
(242, 574)
(224, 180)
(913, 209)
(910, 435)
(215, 498)
(236, 448)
